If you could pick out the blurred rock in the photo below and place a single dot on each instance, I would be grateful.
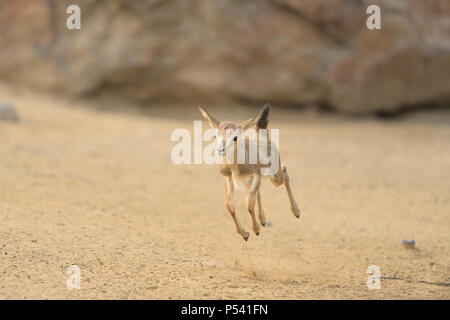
(8, 113)
(409, 244)
(283, 51)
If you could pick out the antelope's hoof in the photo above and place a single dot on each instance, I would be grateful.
(263, 224)
(296, 211)
(246, 235)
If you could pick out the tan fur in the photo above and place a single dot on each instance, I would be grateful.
(247, 176)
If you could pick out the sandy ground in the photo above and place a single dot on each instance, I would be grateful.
(98, 190)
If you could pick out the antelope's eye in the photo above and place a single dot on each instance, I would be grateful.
(235, 138)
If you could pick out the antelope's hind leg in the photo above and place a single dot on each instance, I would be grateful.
(230, 207)
(294, 206)
(282, 177)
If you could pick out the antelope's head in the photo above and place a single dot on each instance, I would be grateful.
(228, 133)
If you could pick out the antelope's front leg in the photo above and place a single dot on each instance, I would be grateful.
(250, 200)
(261, 215)
(230, 206)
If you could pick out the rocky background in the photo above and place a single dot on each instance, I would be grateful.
(289, 52)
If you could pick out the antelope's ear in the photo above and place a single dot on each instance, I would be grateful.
(260, 120)
(212, 121)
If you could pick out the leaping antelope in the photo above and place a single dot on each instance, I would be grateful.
(229, 137)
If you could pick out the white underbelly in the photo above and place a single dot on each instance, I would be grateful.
(242, 183)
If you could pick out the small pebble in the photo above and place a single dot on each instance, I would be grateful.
(8, 113)
(410, 244)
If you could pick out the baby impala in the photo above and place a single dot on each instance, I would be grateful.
(243, 169)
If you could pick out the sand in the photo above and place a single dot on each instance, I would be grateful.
(97, 189)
